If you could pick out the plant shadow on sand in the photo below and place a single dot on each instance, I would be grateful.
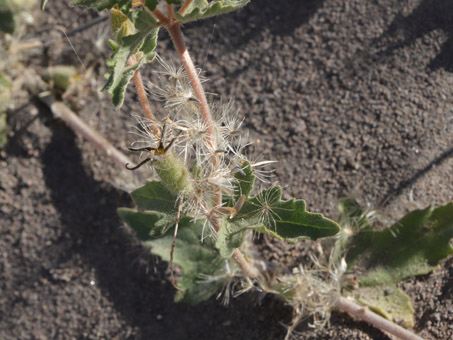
(428, 16)
(87, 210)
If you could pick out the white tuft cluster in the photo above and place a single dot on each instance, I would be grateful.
(210, 165)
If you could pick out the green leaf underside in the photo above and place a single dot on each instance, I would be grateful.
(230, 237)
(412, 246)
(145, 41)
(388, 301)
(198, 260)
(267, 213)
(245, 180)
(147, 224)
(154, 196)
(286, 220)
(202, 9)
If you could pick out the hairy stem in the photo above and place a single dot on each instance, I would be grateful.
(178, 40)
(160, 16)
(154, 125)
(359, 312)
(170, 11)
(184, 7)
(247, 269)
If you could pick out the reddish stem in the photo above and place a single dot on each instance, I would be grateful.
(161, 17)
(180, 46)
(178, 40)
(364, 314)
(154, 125)
(184, 7)
(170, 12)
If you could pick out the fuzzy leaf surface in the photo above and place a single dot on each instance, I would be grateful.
(144, 41)
(245, 180)
(230, 237)
(412, 246)
(285, 220)
(352, 219)
(198, 260)
(388, 301)
(154, 196)
(147, 224)
(352, 213)
(202, 9)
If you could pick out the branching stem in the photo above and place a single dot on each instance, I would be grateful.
(359, 312)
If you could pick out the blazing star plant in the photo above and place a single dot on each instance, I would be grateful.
(201, 206)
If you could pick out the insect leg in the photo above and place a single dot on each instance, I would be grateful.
(146, 148)
(138, 165)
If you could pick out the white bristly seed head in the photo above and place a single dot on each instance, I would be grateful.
(192, 144)
(313, 291)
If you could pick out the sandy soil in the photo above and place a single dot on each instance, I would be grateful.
(351, 97)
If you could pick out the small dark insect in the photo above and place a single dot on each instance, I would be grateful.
(160, 150)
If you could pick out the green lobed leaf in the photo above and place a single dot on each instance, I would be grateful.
(147, 224)
(144, 41)
(202, 9)
(412, 246)
(286, 220)
(154, 196)
(245, 180)
(203, 270)
(388, 301)
(230, 237)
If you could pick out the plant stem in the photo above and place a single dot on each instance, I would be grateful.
(184, 7)
(362, 313)
(160, 16)
(249, 270)
(178, 40)
(154, 125)
(170, 11)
